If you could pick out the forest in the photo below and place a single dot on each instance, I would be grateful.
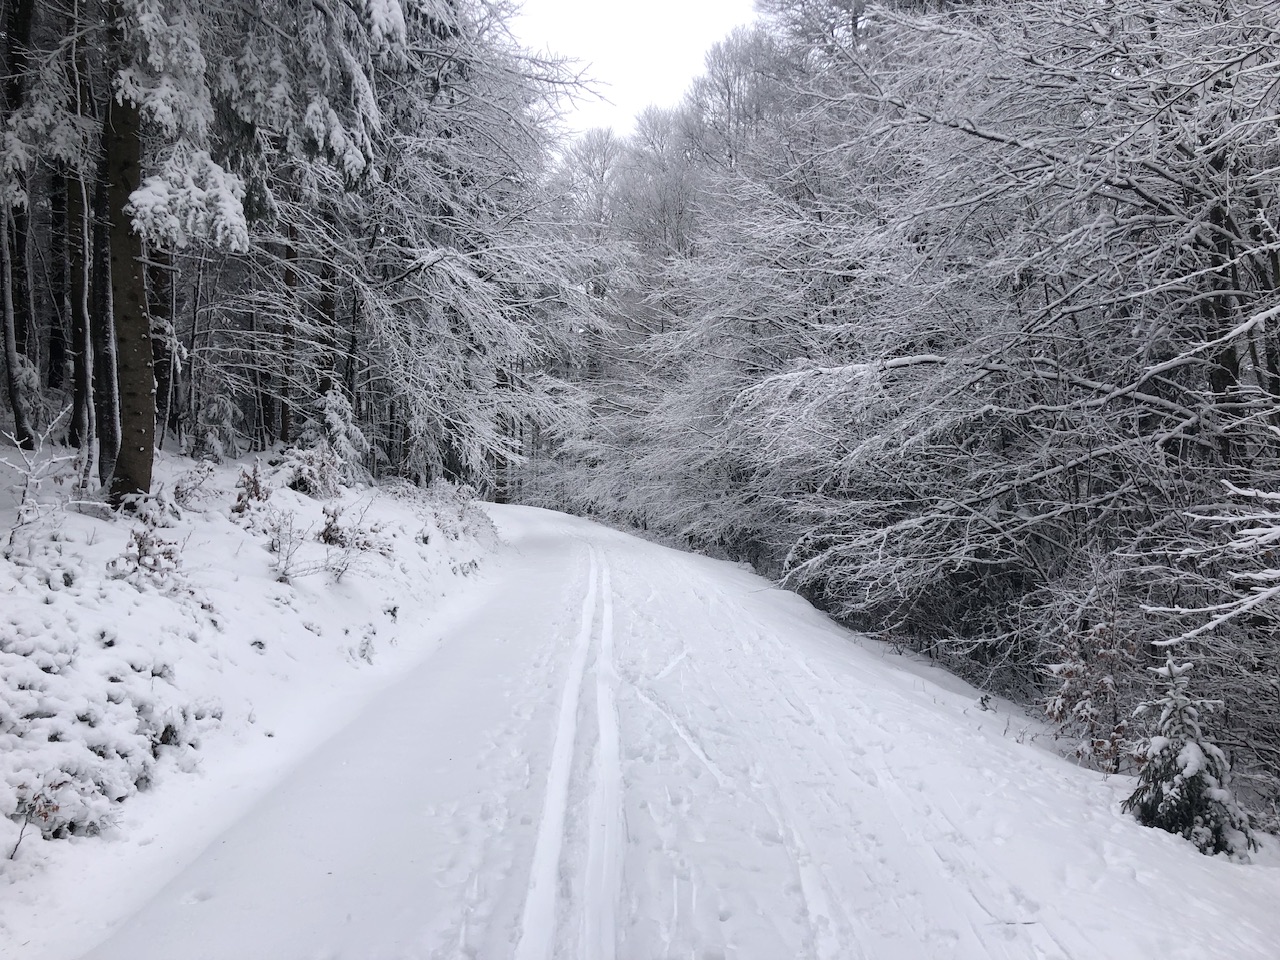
(961, 319)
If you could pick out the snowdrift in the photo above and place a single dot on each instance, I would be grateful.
(222, 607)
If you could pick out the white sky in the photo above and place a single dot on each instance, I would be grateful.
(646, 52)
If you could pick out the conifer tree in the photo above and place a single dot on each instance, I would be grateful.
(1185, 784)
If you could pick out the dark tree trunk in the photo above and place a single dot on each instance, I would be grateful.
(286, 340)
(79, 258)
(18, 18)
(17, 21)
(160, 300)
(191, 406)
(264, 421)
(106, 399)
(80, 253)
(13, 362)
(60, 288)
(353, 351)
(328, 331)
(135, 368)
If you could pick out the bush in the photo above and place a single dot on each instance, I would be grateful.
(312, 471)
(252, 489)
(82, 722)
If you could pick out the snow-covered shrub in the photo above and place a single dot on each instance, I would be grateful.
(1092, 704)
(252, 489)
(1184, 786)
(286, 537)
(346, 542)
(188, 487)
(458, 514)
(1229, 607)
(330, 451)
(1094, 659)
(147, 559)
(82, 721)
(334, 426)
(333, 533)
(454, 525)
(35, 468)
(214, 437)
(314, 471)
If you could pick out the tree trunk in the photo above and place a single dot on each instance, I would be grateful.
(13, 363)
(79, 257)
(191, 406)
(80, 252)
(135, 368)
(59, 282)
(264, 420)
(19, 16)
(353, 351)
(106, 398)
(286, 340)
(160, 303)
(328, 331)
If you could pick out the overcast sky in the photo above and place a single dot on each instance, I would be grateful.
(646, 52)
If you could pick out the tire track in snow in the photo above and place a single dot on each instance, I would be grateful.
(604, 844)
(538, 922)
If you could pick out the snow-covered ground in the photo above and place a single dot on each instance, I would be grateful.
(601, 749)
(245, 644)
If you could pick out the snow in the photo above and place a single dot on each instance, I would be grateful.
(99, 657)
(192, 196)
(595, 747)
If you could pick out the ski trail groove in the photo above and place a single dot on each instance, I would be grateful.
(826, 924)
(604, 855)
(670, 667)
(684, 735)
(538, 922)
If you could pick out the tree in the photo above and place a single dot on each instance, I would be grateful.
(14, 277)
(1184, 786)
(971, 314)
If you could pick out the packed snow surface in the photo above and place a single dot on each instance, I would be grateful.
(614, 751)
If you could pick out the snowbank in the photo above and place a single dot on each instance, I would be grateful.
(229, 608)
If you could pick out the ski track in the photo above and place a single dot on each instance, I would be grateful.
(674, 767)
(812, 734)
(605, 817)
(538, 924)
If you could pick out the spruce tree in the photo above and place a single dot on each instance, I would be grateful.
(1185, 784)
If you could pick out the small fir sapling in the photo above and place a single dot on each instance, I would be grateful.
(1089, 704)
(148, 557)
(313, 471)
(188, 487)
(333, 533)
(337, 427)
(253, 489)
(1184, 786)
(214, 437)
(330, 452)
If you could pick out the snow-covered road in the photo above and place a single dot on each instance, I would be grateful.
(620, 752)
